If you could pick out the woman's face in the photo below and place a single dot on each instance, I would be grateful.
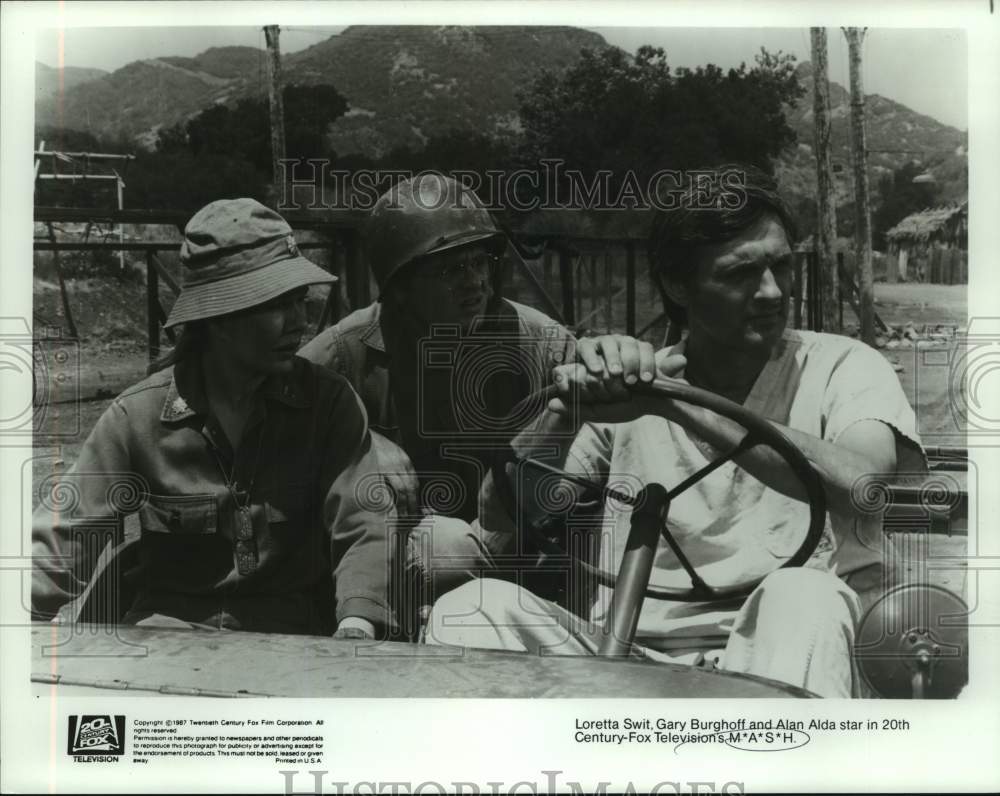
(263, 339)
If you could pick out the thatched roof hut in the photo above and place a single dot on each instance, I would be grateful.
(947, 226)
(931, 245)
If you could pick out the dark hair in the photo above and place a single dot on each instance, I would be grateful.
(717, 205)
(192, 338)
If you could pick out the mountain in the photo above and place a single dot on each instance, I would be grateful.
(134, 101)
(47, 78)
(896, 135)
(404, 83)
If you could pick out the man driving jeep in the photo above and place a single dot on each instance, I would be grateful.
(727, 273)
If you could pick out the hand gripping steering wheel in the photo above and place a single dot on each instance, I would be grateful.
(651, 505)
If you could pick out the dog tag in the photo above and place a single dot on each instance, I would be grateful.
(246, 550)
(246, 557)
(244, 525)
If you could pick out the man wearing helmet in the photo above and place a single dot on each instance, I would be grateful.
(441, 360)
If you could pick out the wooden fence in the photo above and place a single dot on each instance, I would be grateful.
(592, 285)
(589, 284)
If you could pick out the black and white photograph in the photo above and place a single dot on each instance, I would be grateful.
(392, 379)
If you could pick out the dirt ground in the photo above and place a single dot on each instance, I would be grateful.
(933, 390)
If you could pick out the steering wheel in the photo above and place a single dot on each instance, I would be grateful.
(759, 432)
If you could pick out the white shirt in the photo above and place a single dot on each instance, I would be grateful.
(731, 526)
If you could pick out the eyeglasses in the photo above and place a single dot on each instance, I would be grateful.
(454, 267)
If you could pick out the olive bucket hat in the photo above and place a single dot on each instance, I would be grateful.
(237, 254)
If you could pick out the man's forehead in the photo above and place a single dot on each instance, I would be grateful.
(765, 239)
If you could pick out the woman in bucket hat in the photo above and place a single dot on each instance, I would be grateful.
(237, 465)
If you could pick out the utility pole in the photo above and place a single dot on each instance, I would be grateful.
(826, 209)
(277, 108)
(863, 227)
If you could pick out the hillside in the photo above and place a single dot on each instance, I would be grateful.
(406, 84)
(47, 78)
(891, 126)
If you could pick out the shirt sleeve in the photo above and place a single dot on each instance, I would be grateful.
(359, 516)
(863, 386)
(79, 512)
(327, 350)
(590, 455)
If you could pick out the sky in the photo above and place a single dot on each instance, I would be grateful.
(924, 69)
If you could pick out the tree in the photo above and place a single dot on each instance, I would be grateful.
(185, 181)
(900, 197)
(243, 131)
(612, 111)
(226, 151)
(456, 150)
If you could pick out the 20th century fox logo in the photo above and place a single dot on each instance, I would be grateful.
(96, 739)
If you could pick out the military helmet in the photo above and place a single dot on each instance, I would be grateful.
(425, 215)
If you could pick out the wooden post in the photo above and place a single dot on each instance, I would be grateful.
(358, 293)
(277, 108)
(120, 184)
(630, 288)
(152, 307)
(863, 229)
(63, 293)
(609, 320)
(814, 277)
(578, 285)
(331, 307)
(593, 286)
(826, 223)
(38, 162)
(840, 293)
(509, 279)
(566, 285)
(797, 289)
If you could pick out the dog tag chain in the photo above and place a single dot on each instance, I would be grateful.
(246, 545)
